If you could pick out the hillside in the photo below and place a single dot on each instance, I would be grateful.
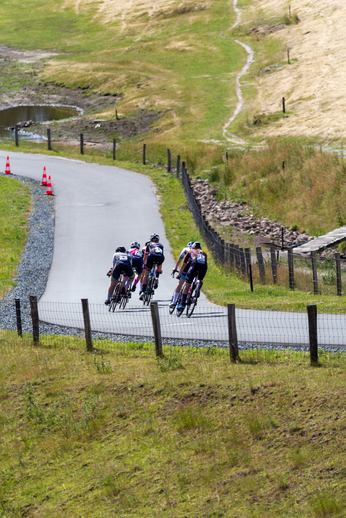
(121, 434)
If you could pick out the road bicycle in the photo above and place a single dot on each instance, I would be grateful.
(120, 296)
(151, 286)
(191, 299)
(172, 305)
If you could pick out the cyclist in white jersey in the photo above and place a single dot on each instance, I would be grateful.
(197, 266)
(122, 265)
(182, 276)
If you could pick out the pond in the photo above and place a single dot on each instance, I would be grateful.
(26, 117)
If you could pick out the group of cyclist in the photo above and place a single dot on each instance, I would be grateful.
(132, 266)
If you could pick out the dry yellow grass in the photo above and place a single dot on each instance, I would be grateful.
(313, 85)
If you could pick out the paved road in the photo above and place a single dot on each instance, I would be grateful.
(97, 209)
(101, 207)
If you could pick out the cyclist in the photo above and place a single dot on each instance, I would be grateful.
(153, 254)
(122, 265)
(196, 260)
(182, 276)
(137, 261)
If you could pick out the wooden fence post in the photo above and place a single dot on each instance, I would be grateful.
(232, 334)
(312, 316)
(314, 272)
(16, 135)
(49, 139)
(260, 264)
(34, 318)
(144, 153)
(290, 268)
(81, 144)
(283, 105)
(338, 274)
(178, 165)
(273, 261)
(249, 266)
(87, 326)
(169, 160)
(154, 308)
(18, 317)
(114, 148)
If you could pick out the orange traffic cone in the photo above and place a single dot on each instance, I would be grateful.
(8, 170)
(49, 186)
(44, 177)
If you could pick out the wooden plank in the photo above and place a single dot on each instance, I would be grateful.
(260, 264)
(314, 272)
(290, 268)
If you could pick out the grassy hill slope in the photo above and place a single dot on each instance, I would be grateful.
(121, 434)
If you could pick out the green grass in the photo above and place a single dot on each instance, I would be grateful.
(15, 204)
(259, 438)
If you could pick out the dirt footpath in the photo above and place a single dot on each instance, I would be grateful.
(314, 85)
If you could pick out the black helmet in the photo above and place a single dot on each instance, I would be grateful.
(197, 244)
(121, 249)
(155, 238)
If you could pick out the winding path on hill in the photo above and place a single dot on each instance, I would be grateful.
(250, 58)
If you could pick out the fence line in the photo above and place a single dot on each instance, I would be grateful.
(236, 329)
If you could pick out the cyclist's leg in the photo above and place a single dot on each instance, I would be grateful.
(114, 281)
(188, 280)
(178, 289)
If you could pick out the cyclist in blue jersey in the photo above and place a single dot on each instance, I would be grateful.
(122, 265)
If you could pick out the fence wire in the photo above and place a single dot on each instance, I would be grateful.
(63, 323)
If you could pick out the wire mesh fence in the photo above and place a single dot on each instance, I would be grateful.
(65, 324)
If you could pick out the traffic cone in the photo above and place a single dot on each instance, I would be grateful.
(44, 177)
(8, 170)
(49, 186)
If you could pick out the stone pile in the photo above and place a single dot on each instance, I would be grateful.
(24, 124)
(240, 216)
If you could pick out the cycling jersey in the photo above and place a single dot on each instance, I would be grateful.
(137, 259)
(184, 252)
(122, 257)
(154, 254)
(196, 264)
(153, 248)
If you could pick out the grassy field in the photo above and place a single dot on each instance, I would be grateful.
(124, 434)
(15, 204)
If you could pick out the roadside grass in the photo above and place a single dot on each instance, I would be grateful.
(260, 438)
(220, 286)
(15, 204)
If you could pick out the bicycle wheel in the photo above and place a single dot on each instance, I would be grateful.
(149, 292)
(123, 301)
(190, 308)
(115, 299)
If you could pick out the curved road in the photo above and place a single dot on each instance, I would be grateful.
(100, 207)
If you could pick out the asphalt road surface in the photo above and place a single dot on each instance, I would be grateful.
(98, 208)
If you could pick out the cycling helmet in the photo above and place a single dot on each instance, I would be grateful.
(121, 249)
(190, 243)
(155, 238)
(197, 244)
(135, 244)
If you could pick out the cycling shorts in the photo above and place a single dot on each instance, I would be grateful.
(154, 259)
(137, 264)
(122, 268)
(196, 270)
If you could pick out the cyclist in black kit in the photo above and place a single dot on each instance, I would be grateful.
(153, 254)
